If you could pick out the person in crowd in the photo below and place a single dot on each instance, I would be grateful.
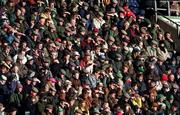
(85, 57)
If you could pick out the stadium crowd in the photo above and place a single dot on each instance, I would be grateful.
(85, 57)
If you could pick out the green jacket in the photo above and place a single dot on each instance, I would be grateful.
(16, 99)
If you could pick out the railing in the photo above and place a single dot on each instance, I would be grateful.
(169, 10)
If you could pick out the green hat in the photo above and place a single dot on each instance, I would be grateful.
(154, 42)
(62, 71)
(96, 110)
(33, 17)
(82, 29)
(171, 97)
(114, 1)
(96, 69)
(141, 69)
(119, 75)
(49, 106)
(46, 60)
(35, 90)
(160, 96)
(101, 14)
(105, 66)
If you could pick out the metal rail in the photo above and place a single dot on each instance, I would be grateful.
(169, 14)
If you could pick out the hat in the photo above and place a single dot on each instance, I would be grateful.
(124, 32)
(76, 53)
(105, 66)
(111, 39)
(101, 14)
(52, 44)
(20, 57)
(175, 86)
(29, 78)
(36, 80)
(8, 58)
(29, 57)
(19, 85)
(96, 30)
(154, 42)
(3, 78)
(160, 96)
(119, 113)
(57, 43)
(96, 110)
(136, 49)
(49, 106)
(84, 20)
(118, 55)
(141, 69)
(47, 60)
(62, 71)
(112, 10)
(105, 46)
(52, 80)
(119, 75)
(164, 77)
(155, 105)
(35, 90)
(35, 33)
(114, 1)
(171, 97)
(68, 29)
(60, 19)
(71, 64)
(21, 17)
(82, 29)
(52, 26)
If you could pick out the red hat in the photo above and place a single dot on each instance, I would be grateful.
(58, 40)
(164, 77)
(96, 30)
(52, 80)
(119, 113)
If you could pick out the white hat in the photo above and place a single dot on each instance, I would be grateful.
(76, 53)
(36, 80)
(3, 78)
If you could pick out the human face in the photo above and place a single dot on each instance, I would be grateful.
(2, 82)
(171, 77)
(76, 75)
(20, 89)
